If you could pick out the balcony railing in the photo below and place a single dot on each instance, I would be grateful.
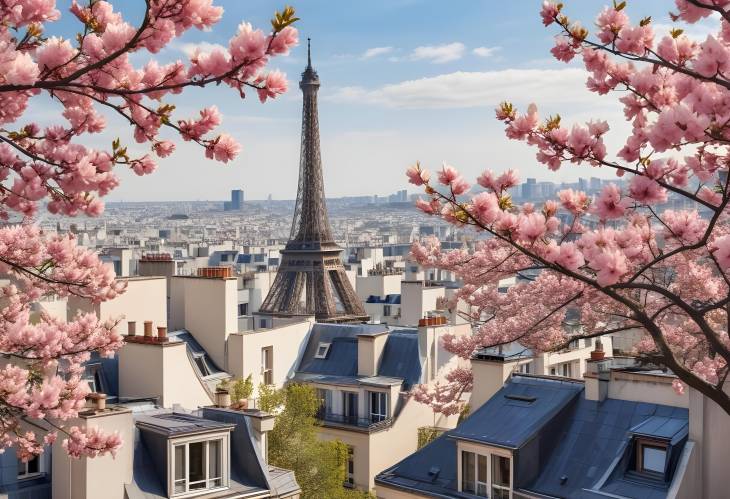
(370, 424)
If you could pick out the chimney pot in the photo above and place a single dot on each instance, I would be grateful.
(598, 353)
(222, 398)
(131, 328)
(148, 329)
(162, 332)
(99, 400)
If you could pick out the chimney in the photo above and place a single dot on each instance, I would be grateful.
(131, 328)
(598, 353)
(98, 400)
(490, 372)
(161, 333)
(148, 329)
(597, 377)
(369, 349)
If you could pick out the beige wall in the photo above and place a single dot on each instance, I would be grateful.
(144, 300)
(378, 285)
(160, 370)
(208, 307)
(91, 478)
(288, 342)
(416, 300)
(645, 388)
(709, 428)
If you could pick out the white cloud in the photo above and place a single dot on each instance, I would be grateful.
(486, 51)
(376, 51)
(189, 48)
(475, 89)
(438, 54)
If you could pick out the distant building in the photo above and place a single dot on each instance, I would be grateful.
(236, 202)
(529, 189)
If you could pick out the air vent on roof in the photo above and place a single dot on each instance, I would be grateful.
(521, 398)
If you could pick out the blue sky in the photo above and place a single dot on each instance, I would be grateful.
(401, 80)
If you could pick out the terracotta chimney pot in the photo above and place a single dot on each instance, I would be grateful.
(148, 329)
(131, 328)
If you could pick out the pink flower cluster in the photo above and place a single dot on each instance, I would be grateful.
(95, 72)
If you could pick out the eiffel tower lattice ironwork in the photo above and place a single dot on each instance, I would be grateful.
(311, 279)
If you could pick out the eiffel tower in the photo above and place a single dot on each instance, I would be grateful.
(311, 279)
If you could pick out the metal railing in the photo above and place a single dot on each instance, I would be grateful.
(366, 423)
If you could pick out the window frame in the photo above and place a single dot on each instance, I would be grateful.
(267, 365)
(642, 443)
(320, 346)
(382, 406)
(224, 442)
(487, 456)
(28, 475)
(350, 468)
(93, 374)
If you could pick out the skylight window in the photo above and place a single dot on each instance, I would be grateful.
(322, 350)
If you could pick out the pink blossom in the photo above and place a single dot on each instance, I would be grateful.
(418, 176)
(647, 191)
(531, 227)
(224, 148)
(609, 205)
(549, 12)
(448, 175)
(610, 266)
(575, 202)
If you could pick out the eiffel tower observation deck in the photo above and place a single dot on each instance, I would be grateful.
(311, 279)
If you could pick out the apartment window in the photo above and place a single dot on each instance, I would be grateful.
(386, 310)
(525, 368)
(565, 370)
(500, 477)
(651, 457)
(322, 350)
(197, 466)
(477, 477)
(267, 365)
(468, 472)
(92, 375)
(242, 309)
(350, 477)
(29, 469)
(349, 405)
(325, 402)
(378, 406)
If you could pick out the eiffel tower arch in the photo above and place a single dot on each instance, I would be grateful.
(311, 279)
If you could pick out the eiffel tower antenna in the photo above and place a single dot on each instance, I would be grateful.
(311, 279)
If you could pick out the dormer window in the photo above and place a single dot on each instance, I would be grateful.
(322, 350)
(199, 465)
(651, 457)
(30, 468)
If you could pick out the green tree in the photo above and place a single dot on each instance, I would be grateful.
(319, 466)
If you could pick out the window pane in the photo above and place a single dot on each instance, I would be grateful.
(654, 458)
(500, 493)
(34, 465)
(214, 457)
(21, 468)
(196, 470)
(482, 469)
(500, 470)
(179, 468)
(467, 471)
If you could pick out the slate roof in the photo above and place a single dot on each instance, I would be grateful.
(518, 411)
(176, 424)
(400, 357)
(560, 432)
(393, 299)
(197, 351)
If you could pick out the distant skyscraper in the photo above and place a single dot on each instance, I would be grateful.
(595, 184)
(236, 202)
(583, 184)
